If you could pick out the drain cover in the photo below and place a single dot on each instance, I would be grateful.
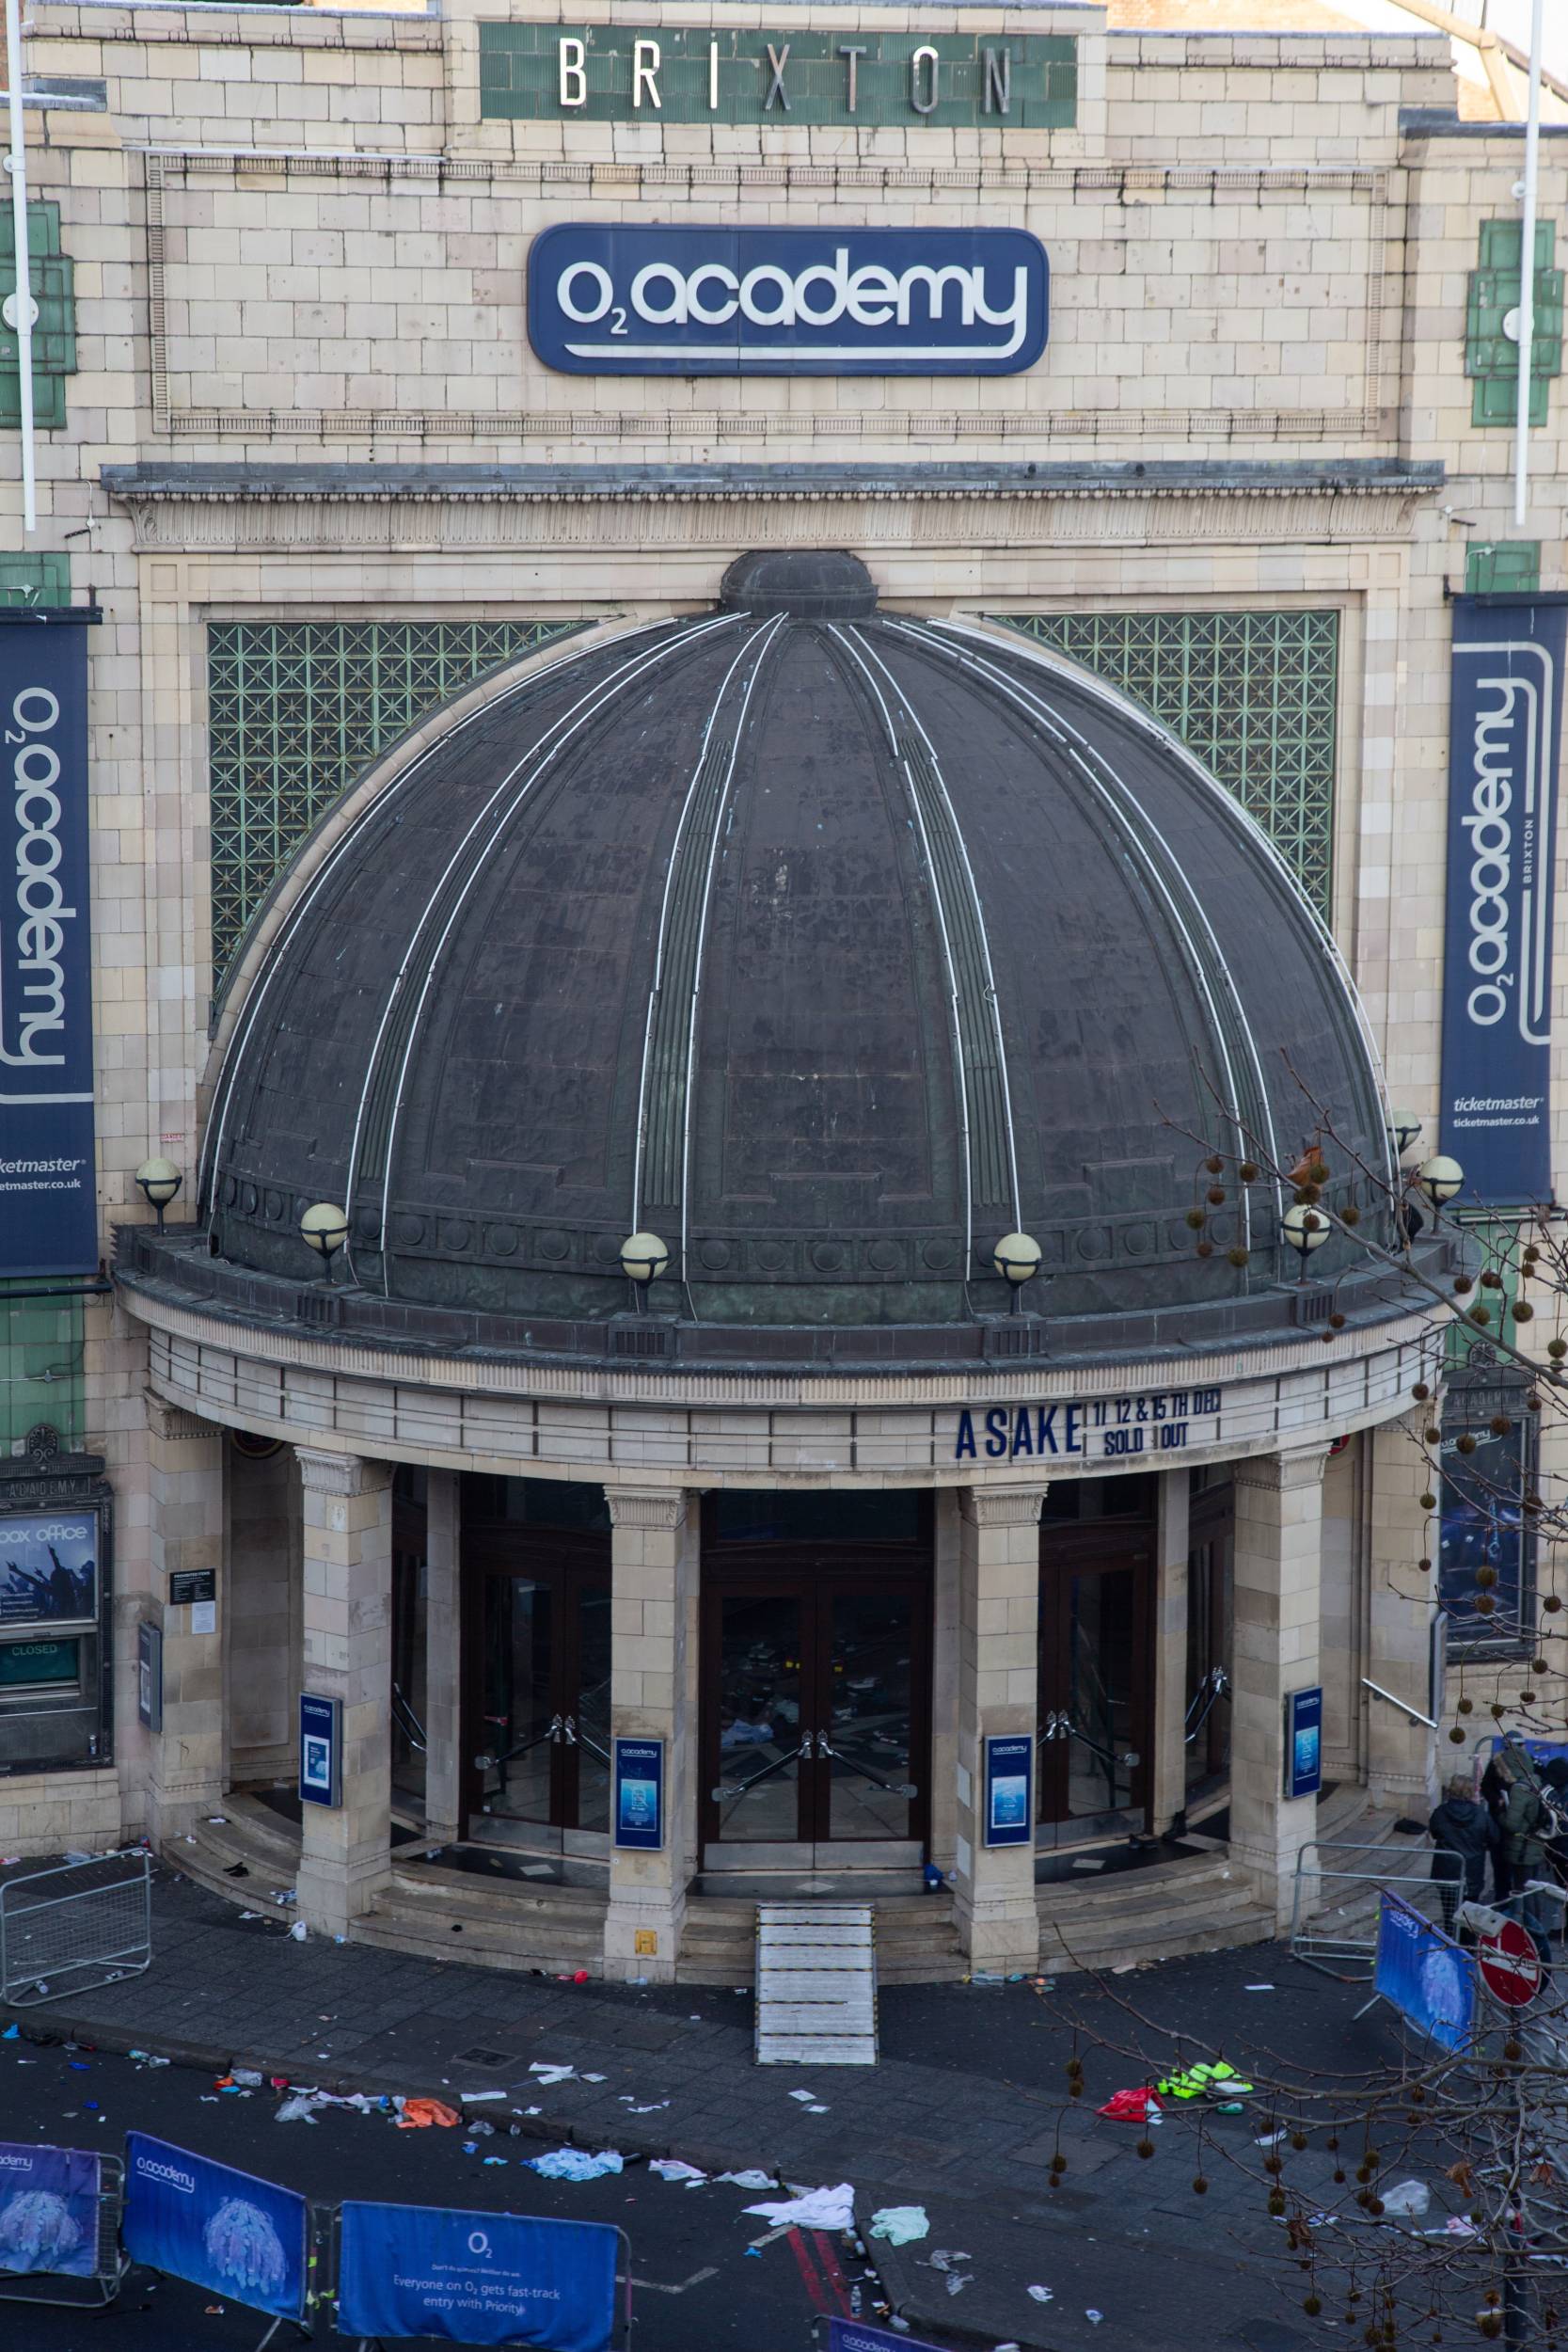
(485, 2057)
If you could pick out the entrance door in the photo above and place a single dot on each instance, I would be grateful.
(537, 1712)
(816, 1727)
(1094, 1682)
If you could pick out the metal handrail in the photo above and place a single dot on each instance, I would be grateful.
(414, 1731)
(1394, 1700)
(1217, 1683)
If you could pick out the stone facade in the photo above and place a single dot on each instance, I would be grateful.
(303, 390)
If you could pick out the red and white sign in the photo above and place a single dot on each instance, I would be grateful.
(1510, 1965)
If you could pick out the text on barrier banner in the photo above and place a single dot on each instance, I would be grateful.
(476, 2278)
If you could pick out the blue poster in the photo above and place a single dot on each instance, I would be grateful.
(226, 2231)
(48, 1185)
(476, 2278)
(639, 1794)
(614, 300)
(48, 1568)
(1304, 1742)
(1427, 1978)
(1505, 743)
(48, 2211)
(321, 1749)
(1010, 1770)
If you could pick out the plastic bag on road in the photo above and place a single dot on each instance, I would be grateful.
(672, 2169)
(1407, 2200)
(899, 2224)
(575, 2164)
(814, 2209)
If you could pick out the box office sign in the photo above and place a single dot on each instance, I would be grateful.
(620, 300)
(859, 74)
(48, 1569)
(1505, 749)
(48, 1208)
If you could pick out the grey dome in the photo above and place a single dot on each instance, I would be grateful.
(829, 950)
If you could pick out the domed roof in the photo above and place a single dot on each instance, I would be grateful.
(828, 945)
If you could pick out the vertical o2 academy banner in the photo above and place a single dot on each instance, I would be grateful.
(48, 1195)
(1505, 743)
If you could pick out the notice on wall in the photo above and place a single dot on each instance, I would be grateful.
(1505, 749)
(48, 1184)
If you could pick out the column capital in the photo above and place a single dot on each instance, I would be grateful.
(646, 1506)
(1277, 1473)
(1001, 1506)
(340, 1473)
(172, 1421)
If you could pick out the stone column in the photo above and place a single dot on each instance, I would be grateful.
(1168, 1692)
(999, 1605)
(443, 1673)
(1401, 1755)
(1278, 1572)
(187, 1765)
(345, 1851)
(654, 1556)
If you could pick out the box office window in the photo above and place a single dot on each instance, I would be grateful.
(1487, 1543)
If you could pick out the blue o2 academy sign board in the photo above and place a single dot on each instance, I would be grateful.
(1304, 1742)
(239, 2238)
(48, 1193)
(476, 2278)
(1009, 1767)
(48, 2212)
(1428, 1980)
(639, 1794)
(1505, 748)
(321, 1749)
(619, 300)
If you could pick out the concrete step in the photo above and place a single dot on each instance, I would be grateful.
(1130, 1892)
(482, 1944)
(1163, 1937)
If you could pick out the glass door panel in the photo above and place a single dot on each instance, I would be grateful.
(868, 1713)
(588, 1713)
(1101, 1751)
(409, 1592)
(517, 1706)
(761, 1646)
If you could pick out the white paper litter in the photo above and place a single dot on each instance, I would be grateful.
(672, 2169)
(1407, 2200)
(751, 2178)
(816, 2209)
(652, 2107)
(807, 2095)
(548, 2075)
(474, 2098)
(1258, 1988)
(1038, 2294)
(297, 1932)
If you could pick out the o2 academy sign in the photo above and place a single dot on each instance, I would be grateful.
(622, 300)
(654, 72)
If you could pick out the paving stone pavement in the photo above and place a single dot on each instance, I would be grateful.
(965, 2110)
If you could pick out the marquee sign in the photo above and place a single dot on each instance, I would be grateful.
(1140, 1427)
(618, 300)
(1505, 749)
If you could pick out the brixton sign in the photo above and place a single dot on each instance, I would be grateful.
(669, 73)
(620, 300)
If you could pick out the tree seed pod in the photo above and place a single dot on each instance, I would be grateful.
(1336, 1322)
(1523, 1310)
(1206, 1250)
(1466, 1443)
(1247, 1171)
(1213, 1164)
(1215, 1196)
(1196, 1220)
(1429, 1501)
(1420, 1391)
(1236, 1257)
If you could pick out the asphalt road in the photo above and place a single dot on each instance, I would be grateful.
(695, 2282)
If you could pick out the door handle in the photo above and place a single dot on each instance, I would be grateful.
(555, 1731)
(570, 1731)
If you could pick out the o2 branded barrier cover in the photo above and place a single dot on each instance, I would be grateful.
(223, 2230)
(48, 1176)
(476, 2278)
(645, 300)
(48, 2211)
(1427, 1978)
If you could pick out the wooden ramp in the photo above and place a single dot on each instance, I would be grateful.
(816, 1985)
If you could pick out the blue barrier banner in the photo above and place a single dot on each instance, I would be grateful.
(1427, 1978)
(223, 2230)
(48, 1186)
(620, 299)
(476, 2278)
(1505, 746)
(48, 2211)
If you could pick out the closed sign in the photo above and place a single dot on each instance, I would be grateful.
(651, 301)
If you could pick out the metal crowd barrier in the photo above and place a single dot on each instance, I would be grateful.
(76, 1925)
(1334, 1905)
(81, 2290)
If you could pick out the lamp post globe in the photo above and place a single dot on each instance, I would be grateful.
(325, 1229)
(1403, 1129)
(1441, 1179)
(159, 1181)
(643, 1258)
(1017, 1259)
(1306, 1229)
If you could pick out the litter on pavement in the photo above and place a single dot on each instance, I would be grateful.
(1038, 2294)
(1215, 2080)
(751, 2178)
(1406, 2200)
(574, 2164)
(813, 2209)
(945, 2260)
(548, 2075)
(1132, 2106)
(672, 2169)
(899, 2224)
(417, 2115)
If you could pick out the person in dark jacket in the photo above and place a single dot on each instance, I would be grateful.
(1525, 1826)
(1465, 1834)
(1494, 1796)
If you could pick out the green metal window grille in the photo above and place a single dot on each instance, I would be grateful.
(1491, 356)
(35, 579)
(296, 708)
(40, 1367)
(1253, 694)
(49, 273)
(1503, 566)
